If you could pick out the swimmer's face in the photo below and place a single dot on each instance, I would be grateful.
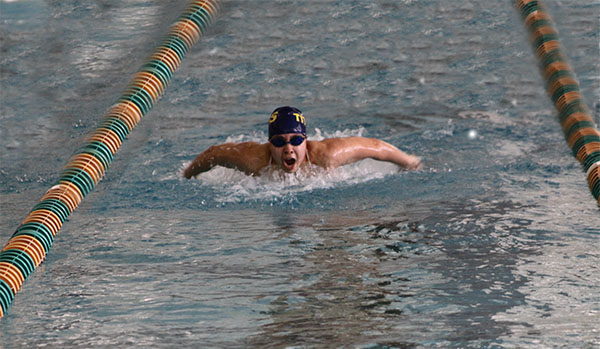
(289, 156)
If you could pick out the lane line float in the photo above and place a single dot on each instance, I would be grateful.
(578, 126)
(31, 241)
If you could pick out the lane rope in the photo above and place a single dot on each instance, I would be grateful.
(30, 243)
(32, 240)
(578, 126)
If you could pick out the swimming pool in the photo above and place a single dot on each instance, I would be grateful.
(493, 244)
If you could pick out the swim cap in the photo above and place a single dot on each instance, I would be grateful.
(286, 120)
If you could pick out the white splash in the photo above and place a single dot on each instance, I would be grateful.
(234, 186)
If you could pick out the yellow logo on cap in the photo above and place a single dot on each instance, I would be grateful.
(299, 117)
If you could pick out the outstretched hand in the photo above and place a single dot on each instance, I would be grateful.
(413, 163)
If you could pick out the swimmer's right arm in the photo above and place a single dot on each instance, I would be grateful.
(203, 162)
(249, 157)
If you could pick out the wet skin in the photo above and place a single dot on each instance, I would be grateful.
(252, 157)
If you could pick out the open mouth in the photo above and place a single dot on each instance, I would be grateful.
(289, 164)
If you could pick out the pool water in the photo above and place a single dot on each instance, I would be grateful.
(493, 244)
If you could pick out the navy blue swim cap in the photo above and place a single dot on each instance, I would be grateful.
(286, 120)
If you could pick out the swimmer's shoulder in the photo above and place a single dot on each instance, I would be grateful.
(333, 152)
(251, 147)
(321, 152)
(326, 145)
(254, 156)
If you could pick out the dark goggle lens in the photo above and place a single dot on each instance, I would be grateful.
(280, 141)
(296, 140)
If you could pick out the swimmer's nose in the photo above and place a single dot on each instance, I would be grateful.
(288, 148)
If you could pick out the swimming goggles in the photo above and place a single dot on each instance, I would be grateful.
(280, 141)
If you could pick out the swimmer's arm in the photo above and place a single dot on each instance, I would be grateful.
(249, 157)
(336, 152)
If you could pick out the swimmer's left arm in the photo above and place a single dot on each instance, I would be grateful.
(336, 152)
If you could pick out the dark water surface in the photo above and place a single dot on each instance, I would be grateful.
(493, 244)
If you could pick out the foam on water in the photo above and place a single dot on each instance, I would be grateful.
(233, 186)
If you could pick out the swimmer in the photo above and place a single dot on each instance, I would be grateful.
(289, 149)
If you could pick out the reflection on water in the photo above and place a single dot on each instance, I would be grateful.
(66, 63)
(339, 296)
(561, 295)
(366, 279)
(492, 245)
(455, 274)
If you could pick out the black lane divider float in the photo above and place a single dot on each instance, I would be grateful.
(562, 87)
(32, 240)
